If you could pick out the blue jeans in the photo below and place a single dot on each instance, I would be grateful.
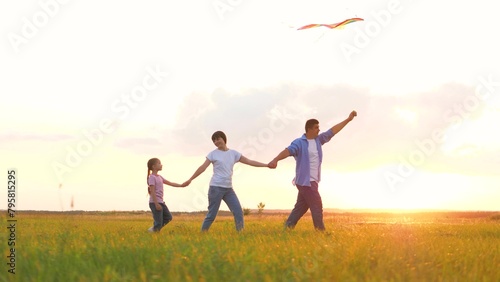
(162, 217)
(215, 196)
(307, 198)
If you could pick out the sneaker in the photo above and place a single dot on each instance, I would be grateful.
(151, 229)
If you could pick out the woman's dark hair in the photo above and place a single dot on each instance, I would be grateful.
(220, 134)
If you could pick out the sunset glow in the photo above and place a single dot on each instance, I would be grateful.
(92, 90)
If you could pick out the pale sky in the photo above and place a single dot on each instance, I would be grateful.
(93, 89)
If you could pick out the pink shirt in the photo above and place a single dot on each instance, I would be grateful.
(157, 181)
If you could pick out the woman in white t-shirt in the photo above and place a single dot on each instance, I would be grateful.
(221, 187)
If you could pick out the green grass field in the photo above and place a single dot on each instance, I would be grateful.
(357, 247)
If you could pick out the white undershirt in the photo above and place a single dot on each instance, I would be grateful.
(313, 160)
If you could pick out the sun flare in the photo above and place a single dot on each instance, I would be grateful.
(407, 115)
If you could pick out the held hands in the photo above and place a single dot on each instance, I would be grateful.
(273, 164)
(186, 183)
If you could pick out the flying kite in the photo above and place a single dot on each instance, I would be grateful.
(332, 26)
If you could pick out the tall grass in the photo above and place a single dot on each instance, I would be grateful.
(368, 247)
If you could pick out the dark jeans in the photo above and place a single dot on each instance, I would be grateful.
(307, 198)
(162, 217)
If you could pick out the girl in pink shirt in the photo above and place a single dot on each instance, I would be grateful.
(161, 214)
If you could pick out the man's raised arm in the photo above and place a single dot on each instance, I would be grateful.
(338, 127)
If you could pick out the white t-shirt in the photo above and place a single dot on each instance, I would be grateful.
(223, 162)
(313, 160)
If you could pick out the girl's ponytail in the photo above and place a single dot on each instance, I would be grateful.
(147, 180)
(151, 162)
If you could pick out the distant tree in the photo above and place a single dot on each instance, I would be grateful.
(261, 206)
(246, 211)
